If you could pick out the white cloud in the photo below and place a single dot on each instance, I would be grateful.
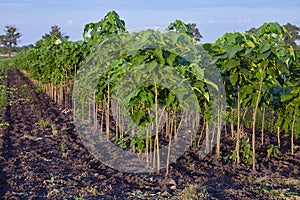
(70, 22)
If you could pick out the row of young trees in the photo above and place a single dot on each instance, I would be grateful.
(260, 73)
(52, 64)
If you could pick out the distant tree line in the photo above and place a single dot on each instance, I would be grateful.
(4, 50)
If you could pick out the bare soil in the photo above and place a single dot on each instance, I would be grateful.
(42, 157)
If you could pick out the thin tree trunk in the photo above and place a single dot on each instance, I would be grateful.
(74, 106)
(231, 124)
(174, 125)
(293, 128)
(206, 137)
(55, 94)
(237, 146)
(117, 120)
(90, 114)
(61, 94)
(95, 106)
(9, 52)
(102, 117)
(157, 128)
(107, 111)
(254, 118)
(168, 134)
(147, 145)
(278, 136)
(169, 152)
(167, 124)
(263, 125)
(253, 139)
(201, 133)
(218, 151)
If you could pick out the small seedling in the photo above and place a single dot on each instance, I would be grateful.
(63, 146)
(85, 175)
(64, 128)
(39, 90)
(92, 189)
(32, 107)
(273, 152)
(54, 131)
(44, 123)
(245, 151)
(24, 88)
(81, 197)
(4, 124)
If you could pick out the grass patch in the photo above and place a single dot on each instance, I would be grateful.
(5, 64)
(193, 192)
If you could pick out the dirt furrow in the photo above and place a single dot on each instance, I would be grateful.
(42, 157)
(36, 165)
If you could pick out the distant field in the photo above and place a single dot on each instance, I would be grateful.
(2, 57)
(4, 62)
(6, 55)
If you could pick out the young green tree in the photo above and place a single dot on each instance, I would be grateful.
(94, 34)
(232, 53)
(289, 116)
(269, 66)
(112, 24)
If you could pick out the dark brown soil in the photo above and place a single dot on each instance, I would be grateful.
(47, 161)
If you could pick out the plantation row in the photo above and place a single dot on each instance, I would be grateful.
(258, 74)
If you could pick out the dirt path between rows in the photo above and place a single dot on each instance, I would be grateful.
(41, 157)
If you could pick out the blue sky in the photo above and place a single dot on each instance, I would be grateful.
(34, 18)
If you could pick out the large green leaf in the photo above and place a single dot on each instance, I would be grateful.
(286, 97)
(233, 50)
(233, 78)
(231, 63)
